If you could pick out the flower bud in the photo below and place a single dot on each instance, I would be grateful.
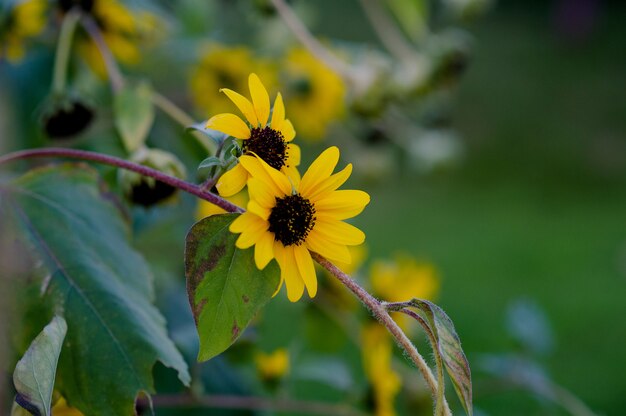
(147, 191)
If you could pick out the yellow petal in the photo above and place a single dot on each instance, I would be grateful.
(293, 175)
(243, 104)
(260, 99)
(259, 210)
(331, 184)
(279, 255)
(293, 281)
(277, 181)
(342, 204)
(264, 250)
(319, 170)
(251, 235)
(232, 181)
(288, 131)
(306, 268)
(260, 193)
(332, 251)
(243, 222)
(339, 232)
(293, 155)
(229, 124)
(278, 116)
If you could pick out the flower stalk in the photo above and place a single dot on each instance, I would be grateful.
(62, 56)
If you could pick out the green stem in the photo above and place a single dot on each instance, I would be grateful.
(182, 118)
(93, 30)
(64, 47)
(439, 404)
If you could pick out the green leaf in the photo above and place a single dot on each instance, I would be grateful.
(134, 114)
(34, 374)
(210, 161)
(448, 347)
(225, 288)
(216, 136)
(104, 287)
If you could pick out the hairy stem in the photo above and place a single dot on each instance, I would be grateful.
(379, 311)
(124, 164)
(254, 403)
(309, 41)
(62, 56)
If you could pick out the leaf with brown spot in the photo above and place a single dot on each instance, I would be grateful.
(224, 286)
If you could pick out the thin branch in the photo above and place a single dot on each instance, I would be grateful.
(386, 30)
(124, 164)
(254, 403)
(309, 41)
(64, 46)
(92, 29)
(380, 313)
(182, 118)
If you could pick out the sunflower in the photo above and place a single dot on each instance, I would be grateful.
(221, 66)
(287, 220)
(377, 358)
(270, 142)
(121, 30)
(24, 21)
(315, 94)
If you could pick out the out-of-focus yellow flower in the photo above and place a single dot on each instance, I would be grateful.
(26, 20)
(206, 209)
(315, 95)
(403, 279)
(224, 67)
(377, 357)
(272, 366)
(61, 408)
(359, 255)
(121, 29)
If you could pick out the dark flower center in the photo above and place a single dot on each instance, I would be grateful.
(291, 219)
(268, 144)
(84, 5)
(68, 120)
(147, 194)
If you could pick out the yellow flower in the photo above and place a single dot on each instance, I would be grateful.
(121, 30)
(287, 220)
(386, 383)
(272, 366)
(269, 141)
(221, 67)
(61, 408)
(403, 279)
(315, 94)
(206, 209)
(27, 19)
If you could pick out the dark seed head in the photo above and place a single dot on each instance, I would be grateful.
(268, 144)
(67, 120)
(148, 194)
(84, 5)
(291, 219)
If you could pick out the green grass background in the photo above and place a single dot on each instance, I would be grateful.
(538, 208)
